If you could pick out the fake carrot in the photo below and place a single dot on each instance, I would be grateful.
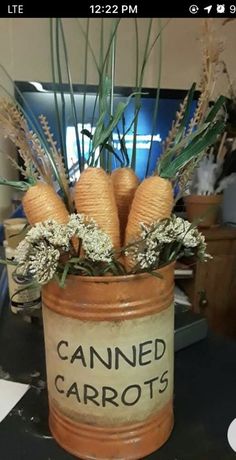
(153, 200)
(125, 183)
(94, 197)
(41, 202)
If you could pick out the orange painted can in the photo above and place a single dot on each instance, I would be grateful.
(109, 356)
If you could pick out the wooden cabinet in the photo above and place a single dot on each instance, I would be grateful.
(212, 290)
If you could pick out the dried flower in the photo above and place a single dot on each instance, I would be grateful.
(95, 242)
(148, 258)
(39, 253)
(54, 233)
(175, 234)
(22, 251)
(40, 260)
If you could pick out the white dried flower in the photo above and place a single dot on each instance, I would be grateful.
(22, 251)
(40, 260)
(173, 230)
(77, 223)
(95, 242)
(51, 231)
(145, 253)
(97, 245)
(39, 253)
(43, 262)
(161, 231)
(147, 259)
(175, 234)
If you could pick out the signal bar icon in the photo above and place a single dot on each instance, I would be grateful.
(208, 8)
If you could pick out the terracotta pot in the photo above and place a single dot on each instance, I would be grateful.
(204, 207)
(109, 355)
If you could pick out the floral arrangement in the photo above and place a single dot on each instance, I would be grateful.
(106, 222)
(47, 250)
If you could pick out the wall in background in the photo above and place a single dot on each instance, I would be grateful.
(25, 53)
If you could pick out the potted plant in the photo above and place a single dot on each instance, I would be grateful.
(215, 172)
(104, 257)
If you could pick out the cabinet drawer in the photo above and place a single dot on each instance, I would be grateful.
(221, 247)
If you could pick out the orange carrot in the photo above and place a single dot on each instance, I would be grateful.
(153, 200)
(125, 183)
(94, 197)
(41, 202)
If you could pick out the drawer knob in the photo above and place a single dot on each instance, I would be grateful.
(203, 302)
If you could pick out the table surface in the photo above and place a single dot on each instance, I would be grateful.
(204, 399)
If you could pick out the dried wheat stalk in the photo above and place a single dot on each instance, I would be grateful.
(175, 124)
(212, 47)
(55, 152)
(186, 176)
(14, 126)
(19, 168)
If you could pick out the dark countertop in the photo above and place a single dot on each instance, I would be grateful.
(204, 401)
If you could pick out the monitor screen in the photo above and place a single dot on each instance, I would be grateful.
(39, 98)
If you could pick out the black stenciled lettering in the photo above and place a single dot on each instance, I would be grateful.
(131, 361)
(165, 381)
(73, 390)
(159, 345)
(143, 353)
(106, 397)
(94, 353)
(150, 383)
(57, 378)
(90, 397)
(62, 342)
(124, 394)
(79, 354)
